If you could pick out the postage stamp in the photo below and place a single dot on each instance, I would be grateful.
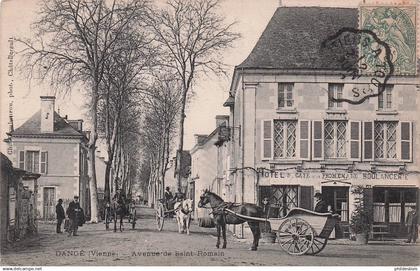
(396, 26)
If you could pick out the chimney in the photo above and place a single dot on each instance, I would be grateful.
(47, 114)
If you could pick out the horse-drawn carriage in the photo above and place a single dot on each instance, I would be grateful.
(299, 232)
(181, 209)
(115, 210)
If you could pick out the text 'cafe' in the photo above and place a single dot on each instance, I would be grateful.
(392, 193)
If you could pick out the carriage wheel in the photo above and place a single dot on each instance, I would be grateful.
(133, 220)
(318, 246)
(160, 216)
(295, 236)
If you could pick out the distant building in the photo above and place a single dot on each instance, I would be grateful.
(290, 140)
(209, 166)
(54, 147)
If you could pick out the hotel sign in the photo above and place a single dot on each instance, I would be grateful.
(332, 175)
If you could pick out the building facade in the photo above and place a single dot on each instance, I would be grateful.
(55, 148)
(209, 165)
(18, 194)
(291, 140)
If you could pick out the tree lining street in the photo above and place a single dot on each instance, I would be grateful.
(146, 246)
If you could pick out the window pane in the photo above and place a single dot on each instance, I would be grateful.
(36, 162)
(330, 95)
(29, 161)
(281, 97)
(278, 138)
(291, 138)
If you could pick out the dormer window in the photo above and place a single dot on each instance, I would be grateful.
(285, 95)
(335, 91)
(385, 98)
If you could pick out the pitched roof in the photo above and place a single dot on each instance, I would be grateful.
(32, 128)
(293, 37)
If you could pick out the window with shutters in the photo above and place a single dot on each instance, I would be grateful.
(385, 98)
(284, 139)
(335, 139)
(34, 161)
(385, 139)
(285, 95)
(335, 91)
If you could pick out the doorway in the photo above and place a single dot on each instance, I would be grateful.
(338, 198)
(49, 203)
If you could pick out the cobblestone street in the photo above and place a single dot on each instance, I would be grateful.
(95, 246)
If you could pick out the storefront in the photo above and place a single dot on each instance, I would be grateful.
(392, 195)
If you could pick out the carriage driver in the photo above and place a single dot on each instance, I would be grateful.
(119, 197)
(179, 196)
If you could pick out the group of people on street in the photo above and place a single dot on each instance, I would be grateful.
(75, 215)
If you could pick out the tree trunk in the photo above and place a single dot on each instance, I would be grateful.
(107, 192)
(181, 136)
(93, 187)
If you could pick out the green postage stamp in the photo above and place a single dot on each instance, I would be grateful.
(397, 27)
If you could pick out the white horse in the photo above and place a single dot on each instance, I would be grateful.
(183, 211)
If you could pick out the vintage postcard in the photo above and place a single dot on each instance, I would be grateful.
(210, 133)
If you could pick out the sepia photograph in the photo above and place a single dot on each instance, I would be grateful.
(209, 133)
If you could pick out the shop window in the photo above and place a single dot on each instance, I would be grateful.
(282, 198)
(285, 95)
(284, 139)
(334, 139)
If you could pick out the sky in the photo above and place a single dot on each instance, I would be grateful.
(210, 92)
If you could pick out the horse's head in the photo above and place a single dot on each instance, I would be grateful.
(187, 205)
(204, 199)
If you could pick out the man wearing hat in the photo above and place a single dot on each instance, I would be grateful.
(59, 211)
(73, 213)
(320, 206)
(411, 223)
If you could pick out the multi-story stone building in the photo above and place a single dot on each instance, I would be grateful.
(54, 147)
(209, 165)
(290, 139)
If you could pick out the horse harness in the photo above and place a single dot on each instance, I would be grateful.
(221, 208)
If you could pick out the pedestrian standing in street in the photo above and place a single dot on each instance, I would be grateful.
(412, 225)
(73, 214)
(266, 207)
(320, 206)
(59, 211)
